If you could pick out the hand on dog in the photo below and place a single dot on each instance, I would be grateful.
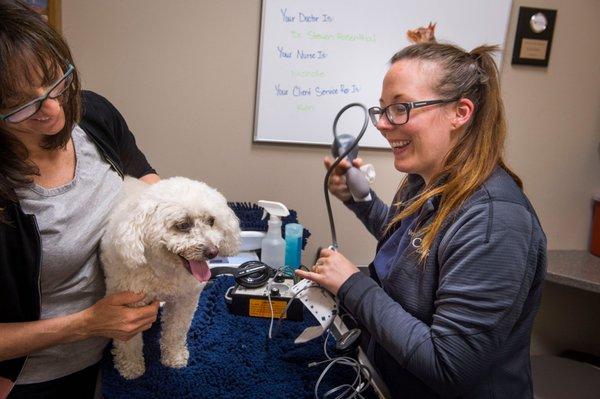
(337, 180)
(331, 270)
(114, 316)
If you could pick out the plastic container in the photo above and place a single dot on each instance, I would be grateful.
(293, 245)
(251, 240)
(272, 248)
(595, 241)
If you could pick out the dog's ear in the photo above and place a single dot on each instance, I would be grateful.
(129, 234)
(231, 231)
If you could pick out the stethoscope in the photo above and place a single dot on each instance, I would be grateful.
(338, 143)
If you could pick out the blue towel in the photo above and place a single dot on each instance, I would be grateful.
(229, 358)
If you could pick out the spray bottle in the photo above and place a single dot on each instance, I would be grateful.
(272, 249)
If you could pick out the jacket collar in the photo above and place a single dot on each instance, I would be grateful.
(414, 186)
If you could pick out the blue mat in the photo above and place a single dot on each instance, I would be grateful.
(229, 358)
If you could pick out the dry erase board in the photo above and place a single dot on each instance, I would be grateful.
(318, 55)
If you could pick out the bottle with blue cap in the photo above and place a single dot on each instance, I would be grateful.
(272, 249)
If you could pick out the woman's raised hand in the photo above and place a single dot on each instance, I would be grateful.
(337, 181)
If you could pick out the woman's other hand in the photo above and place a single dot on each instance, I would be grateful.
(116, 317)
(337, 179)
(331, 270)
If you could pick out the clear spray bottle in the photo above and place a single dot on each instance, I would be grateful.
(272, 249)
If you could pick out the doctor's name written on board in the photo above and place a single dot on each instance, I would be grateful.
(316, 91)
(299, 19)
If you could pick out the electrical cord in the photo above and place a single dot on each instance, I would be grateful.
(334, 243)
(354, 363)
(362, 380)
(271, 307)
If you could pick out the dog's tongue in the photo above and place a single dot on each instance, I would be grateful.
(200, 270)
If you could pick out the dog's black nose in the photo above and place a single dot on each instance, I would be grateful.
(211, 252)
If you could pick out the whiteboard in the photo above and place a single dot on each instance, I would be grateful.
(318, 55)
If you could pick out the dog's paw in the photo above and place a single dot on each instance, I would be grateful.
(174, 357)
(130, 370)
(129, 367)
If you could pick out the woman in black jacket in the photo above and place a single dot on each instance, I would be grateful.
(63, 154)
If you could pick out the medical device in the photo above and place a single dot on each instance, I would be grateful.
(346, 146)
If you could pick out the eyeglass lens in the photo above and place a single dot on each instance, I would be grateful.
(396, 114)
(34, 107)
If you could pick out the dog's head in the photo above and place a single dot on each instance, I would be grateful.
(177, 222)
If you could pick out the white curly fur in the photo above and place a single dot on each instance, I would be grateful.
(142, 251)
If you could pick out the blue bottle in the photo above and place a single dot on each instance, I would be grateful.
(293, 246)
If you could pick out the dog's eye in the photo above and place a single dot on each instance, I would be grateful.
(210, 221)
(184, 226)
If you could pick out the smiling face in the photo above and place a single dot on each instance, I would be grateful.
(31, 60)
(421, 144)
(48, 120)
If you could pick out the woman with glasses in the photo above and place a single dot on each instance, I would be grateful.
(456, 281)
(63, 154)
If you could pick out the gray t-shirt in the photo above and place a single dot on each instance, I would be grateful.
(71, 220)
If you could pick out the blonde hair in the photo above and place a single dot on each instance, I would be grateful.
(478, 150)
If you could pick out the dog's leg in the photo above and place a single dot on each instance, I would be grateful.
(129, 357)
(176, 319)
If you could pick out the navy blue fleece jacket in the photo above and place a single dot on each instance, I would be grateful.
(458, 325)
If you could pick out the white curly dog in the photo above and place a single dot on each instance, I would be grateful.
(157, 241)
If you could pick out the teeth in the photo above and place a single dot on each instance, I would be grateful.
(399, 143)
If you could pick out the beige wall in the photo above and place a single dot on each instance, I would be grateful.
(183, 73)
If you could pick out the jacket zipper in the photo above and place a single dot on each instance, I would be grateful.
(39, 282)
(106, 157)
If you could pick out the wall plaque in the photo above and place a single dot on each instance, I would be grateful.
(533, 39)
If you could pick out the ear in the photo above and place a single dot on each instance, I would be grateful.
(462, 113)
(129, 235)
(231, 232)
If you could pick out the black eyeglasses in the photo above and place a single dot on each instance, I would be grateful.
(398, 113)
(29, 109)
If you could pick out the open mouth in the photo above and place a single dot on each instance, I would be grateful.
(198, 269)
(399, 144)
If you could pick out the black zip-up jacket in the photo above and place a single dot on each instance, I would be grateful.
(20, 244)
